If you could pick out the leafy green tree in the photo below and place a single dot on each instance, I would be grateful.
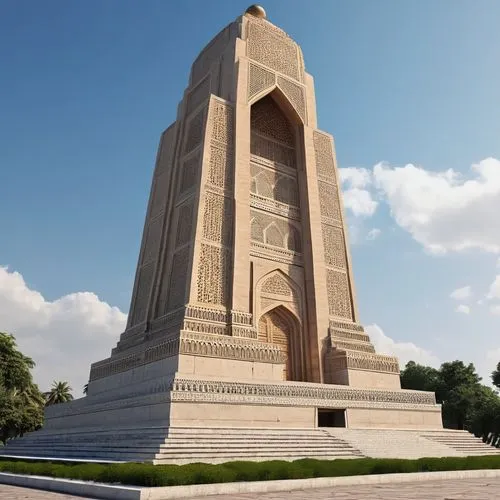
(21, 402)
(495, 376)
(457, 390)
(419, 377)
(60, 392)
(483, 418)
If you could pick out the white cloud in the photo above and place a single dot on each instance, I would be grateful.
(494, 291)
(359, 202)
(373, 233)
(63, 336)
(443, 211)
(462, 308)
(357, 198)
(498, 262)
(405, 351)
(355, 177)
(495, 309)
(461, 293)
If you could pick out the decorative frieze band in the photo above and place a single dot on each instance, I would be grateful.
(342, 360)
(182, 390)
(274, 207)
(215, 345)
(352, 346)
(345, 325)
(306, 391)
(349, 331)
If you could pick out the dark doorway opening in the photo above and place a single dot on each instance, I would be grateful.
(331, 418)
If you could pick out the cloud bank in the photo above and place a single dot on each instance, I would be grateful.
(64, 336)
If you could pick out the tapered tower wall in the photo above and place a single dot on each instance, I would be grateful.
(243, 312)
(244, 269)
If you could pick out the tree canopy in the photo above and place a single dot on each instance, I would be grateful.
(21, 402)
(466, 402)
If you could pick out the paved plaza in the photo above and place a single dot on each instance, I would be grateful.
(464, 489)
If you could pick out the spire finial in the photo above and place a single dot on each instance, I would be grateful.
(257, 11)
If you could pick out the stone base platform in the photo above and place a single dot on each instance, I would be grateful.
(217, 445)
(185, 419)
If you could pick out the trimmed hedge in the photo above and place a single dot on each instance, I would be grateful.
(137, 474)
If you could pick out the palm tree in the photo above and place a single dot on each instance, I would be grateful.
(60, 392)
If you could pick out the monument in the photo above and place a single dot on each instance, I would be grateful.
(243, 313)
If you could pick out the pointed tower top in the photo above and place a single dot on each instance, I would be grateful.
(257, 11)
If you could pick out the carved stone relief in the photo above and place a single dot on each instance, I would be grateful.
(275, 231)
(335, 252)
(214, 275)
(295, 94)
(339, 298)
(217, 219)
(273, 49)
(259, 79)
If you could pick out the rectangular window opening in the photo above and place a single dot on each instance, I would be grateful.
(331, 418)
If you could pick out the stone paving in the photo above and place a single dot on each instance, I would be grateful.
(463, 489)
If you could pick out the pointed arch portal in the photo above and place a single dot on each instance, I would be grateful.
(279, 326)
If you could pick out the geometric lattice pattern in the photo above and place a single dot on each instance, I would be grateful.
(217, 220)
(295, 94)
(222, 122)
(274, 185)
(215, 263)
(324, 156)
(333, 240)
(272, 151)
(220, 173)
(213, 275)
(270, 48)
(259, 79)
(339, 297)
(275, 231)
(329, 201)
(268, 120)
(277, 285)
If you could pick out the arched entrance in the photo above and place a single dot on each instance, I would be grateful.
(279, 326)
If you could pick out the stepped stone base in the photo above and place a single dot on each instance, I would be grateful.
(183, 419)
(411, 444)
(180, 445)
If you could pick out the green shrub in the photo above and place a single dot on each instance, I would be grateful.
(139, 474)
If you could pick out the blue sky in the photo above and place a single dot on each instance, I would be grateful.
(87, 88)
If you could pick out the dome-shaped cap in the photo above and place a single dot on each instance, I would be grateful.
(257, 11)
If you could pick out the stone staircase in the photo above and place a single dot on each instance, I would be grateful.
(411, 444)
(185, 445)
(462, 441)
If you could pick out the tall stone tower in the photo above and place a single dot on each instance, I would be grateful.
(243, 311)
(244, 269)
